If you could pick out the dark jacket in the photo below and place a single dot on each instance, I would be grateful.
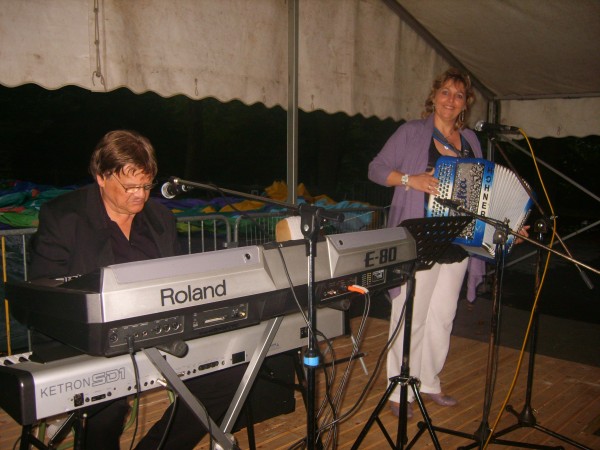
(73, 239)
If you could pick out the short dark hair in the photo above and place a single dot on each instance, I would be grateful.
(120, 148)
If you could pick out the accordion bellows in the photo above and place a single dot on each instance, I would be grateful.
(483, 188)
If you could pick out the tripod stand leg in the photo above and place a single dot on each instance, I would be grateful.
(402, 434)
(427, 420)
(402, 417)
(375, 414)
(527, 417)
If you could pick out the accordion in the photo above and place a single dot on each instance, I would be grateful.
(483, 188)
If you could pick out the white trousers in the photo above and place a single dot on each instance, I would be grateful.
(435, 302)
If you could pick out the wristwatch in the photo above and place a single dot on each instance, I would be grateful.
(404, 180)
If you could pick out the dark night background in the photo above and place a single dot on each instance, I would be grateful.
(47, 137)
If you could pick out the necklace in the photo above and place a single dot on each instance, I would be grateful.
(438, 136)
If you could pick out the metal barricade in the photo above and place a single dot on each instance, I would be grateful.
(256, 228)
(14, 263)
(205, 233)
(259, 228)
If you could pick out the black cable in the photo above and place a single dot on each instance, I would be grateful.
(314, 332)
(378, 364)
(130, 348)
(355, 350)
(174, 405)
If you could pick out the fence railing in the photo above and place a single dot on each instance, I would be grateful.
(255, 229)
(198, 234)
(205, 233)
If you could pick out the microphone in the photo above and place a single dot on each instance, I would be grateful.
(448, 203)
(488, 127)
(170, 189)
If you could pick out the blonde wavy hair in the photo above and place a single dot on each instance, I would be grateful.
(456, 76)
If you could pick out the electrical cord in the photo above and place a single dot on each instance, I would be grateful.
(350, 412)
(332, 402)
(535, 302)
(130, 348)
(174, 405)
(333, 417)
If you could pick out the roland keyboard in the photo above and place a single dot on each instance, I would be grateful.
(152, 302)
(32, 391)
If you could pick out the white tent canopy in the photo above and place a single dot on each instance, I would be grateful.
(539, 60)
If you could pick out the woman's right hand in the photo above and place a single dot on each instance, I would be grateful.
(424, 182)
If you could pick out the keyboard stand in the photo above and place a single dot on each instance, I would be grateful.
(250, 375)
(222, 435)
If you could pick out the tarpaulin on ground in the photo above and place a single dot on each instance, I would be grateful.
(20, 202)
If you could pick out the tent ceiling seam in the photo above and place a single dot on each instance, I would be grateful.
(407, 18)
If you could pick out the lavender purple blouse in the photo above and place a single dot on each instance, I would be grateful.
(406, 151)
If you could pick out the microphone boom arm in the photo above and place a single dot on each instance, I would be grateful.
(499, 224)
(321, 213)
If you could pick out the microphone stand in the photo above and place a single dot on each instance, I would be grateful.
(584, 277)
(481, 435)
(498, 224)
(312, 219)
(526, 418)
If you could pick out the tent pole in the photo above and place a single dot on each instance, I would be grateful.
(492, 117)
(292, 110)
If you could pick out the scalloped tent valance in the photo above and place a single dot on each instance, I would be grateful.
(370, 57)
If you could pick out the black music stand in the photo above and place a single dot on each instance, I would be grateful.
(432, 236)
(481, 435)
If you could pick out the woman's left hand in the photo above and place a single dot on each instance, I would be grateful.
(524, 231)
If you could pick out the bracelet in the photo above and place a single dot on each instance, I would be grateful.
(404, 181)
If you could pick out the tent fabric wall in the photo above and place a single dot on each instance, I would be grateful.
(227, 49)
(230, 49)
(539, 58)
(520, 48)
(554, 117)
(355, 56)
(47, 43)
(361, 59)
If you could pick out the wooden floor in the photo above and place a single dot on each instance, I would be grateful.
(566, 399)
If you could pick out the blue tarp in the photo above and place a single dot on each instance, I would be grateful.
(20, 202)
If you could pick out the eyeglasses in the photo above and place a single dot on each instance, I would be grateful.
(134, 189)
